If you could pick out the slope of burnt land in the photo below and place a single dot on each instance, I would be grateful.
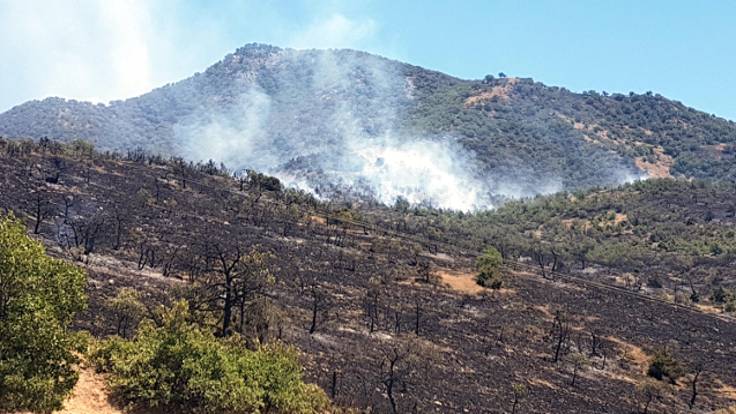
(378, 318)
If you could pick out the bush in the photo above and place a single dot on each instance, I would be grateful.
(663, 365)
(82, 148)
(489, 269)
(721, 296)
(127, 310)
(179, 366)
(39, 297)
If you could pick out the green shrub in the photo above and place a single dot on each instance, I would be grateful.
(664, 364)
(39, 297)
(127, 309)
(82, 148)
(489, 269)
(181, 367)
(721, 295)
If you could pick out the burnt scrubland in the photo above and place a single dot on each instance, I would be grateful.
(615, 300)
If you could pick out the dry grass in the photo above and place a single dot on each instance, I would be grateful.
(709, 308)
(501, 91)
(318, 220)
(462, 281)
(543, 383)
(632, 353)
(725, 390)
(545, 311)
(661, 166)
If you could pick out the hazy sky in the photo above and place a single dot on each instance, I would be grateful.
(109, 49)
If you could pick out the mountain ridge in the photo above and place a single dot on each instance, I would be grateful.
(336, 120)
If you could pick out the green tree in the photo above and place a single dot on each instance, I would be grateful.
(39, 297)
(664, 364)
(126, 309)
(520, 392)
(180, 366)
(489, 269)
(81, 148)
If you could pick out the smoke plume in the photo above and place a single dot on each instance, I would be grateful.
(330, 121)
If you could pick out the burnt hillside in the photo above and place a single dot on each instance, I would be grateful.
(358, 291)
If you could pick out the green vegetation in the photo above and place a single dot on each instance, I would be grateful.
(173, 364)
(530, 131)
(521, 133)
(668, 236)
(39, 297)
(180, 366)
(126, 309)
(664, 365)
(489, 269)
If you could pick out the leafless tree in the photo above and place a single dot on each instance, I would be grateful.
(371, 305)
(395, 370)
(87, 231)
(42, 209)
(541, 259)
(320, 304)
(694, 385)
(561, 332)
(120, 218)
(68, 204)
(146, 255)
(417, 315)
(235, 276)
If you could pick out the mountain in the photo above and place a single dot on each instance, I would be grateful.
(336, 120)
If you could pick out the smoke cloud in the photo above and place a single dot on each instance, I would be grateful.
(333, 126)
(329, 122)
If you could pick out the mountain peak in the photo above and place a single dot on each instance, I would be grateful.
(250, 49)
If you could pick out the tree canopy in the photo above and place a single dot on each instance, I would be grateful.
(489, 268)
(180, 366)
(39, 297)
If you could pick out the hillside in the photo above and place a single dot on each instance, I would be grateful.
(381, 302)
(337, 120)
(673, 239)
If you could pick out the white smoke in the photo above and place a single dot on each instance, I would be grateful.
(326, 120)
(353, 145)
(516, 190)
(237, 136)
(420, 171)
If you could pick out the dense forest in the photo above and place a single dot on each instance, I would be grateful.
(226, 292)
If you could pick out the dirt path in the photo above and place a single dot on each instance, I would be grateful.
(90, 395)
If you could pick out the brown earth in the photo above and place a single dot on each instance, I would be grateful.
(459, 280)
(501, 91)
(660, 168)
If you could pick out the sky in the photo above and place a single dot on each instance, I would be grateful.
(101, 50)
